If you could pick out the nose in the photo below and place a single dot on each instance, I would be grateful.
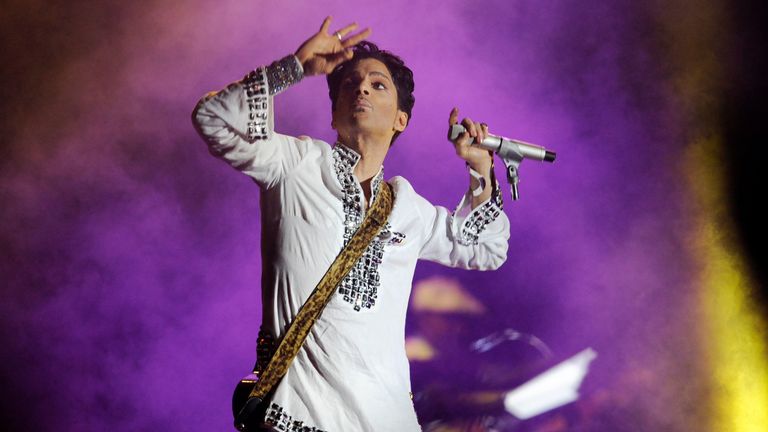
(362, 88)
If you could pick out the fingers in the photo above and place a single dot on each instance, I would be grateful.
(474, 130)
(453, 118)
(478, 131)
(343, 32)
(466, 143)
(463, 140)
(354, 40)
(326, 24)
(338, 58)
(483, 132)
(470, 126)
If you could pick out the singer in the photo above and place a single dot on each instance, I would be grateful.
(351, 373)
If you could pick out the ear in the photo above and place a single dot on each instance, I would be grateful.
(401, 121)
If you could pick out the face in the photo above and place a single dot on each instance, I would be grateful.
(367, 103)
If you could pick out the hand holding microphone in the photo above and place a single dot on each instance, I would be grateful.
(474, 156)
(511, 151)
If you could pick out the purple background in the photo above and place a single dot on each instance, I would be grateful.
(131, 263)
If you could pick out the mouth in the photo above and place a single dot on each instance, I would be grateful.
(361, 105)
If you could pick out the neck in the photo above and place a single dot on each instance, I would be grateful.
(372, 152)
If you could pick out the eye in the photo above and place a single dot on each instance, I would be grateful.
(378, 85)
(350, 81)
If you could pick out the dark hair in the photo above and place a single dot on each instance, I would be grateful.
(401, 75)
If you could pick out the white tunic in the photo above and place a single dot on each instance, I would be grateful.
(352, 373)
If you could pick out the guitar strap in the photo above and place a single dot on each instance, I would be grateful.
(299, 328)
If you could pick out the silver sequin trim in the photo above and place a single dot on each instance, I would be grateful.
(360, 286)
(284, 73)
(475, 223)
(263, 82)
(279, 420)
(256, 97)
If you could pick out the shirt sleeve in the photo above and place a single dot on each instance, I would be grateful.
(237, 124)
(468, 238)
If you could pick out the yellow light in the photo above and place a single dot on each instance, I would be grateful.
(734, 332)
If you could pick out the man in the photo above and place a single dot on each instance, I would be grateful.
(352, 372)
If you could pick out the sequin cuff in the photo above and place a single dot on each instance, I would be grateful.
(283, 73)
(281, 421)
(257, 97)
(482, 215)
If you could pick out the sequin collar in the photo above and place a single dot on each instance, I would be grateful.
(360, 286)
(346, 161)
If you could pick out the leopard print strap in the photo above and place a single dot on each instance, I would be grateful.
(309, 313)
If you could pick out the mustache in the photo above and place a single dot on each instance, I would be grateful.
(361, 101)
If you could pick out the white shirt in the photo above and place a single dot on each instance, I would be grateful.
(352, 373)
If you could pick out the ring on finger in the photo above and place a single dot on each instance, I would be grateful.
(338, 35)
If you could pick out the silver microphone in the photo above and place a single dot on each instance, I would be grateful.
(507, 147)
(511, 151)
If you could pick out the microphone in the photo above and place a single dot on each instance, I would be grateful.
(511, 151)
(507, 147)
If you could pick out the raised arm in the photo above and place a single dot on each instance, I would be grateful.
(237, 122)
(479, 161)
(476, 234)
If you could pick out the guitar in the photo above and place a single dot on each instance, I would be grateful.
(248, 412)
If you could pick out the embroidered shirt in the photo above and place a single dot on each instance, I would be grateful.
(352, 372)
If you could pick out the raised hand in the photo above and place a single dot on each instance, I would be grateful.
(478, 158)
(322, 52)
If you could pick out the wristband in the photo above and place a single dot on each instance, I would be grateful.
(480, 180)
(283, 73)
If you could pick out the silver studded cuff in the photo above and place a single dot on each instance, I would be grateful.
(480, 217)
(257, 96)
(279, 420)
(283, 73)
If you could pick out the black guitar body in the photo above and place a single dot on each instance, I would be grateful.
(248, 412)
